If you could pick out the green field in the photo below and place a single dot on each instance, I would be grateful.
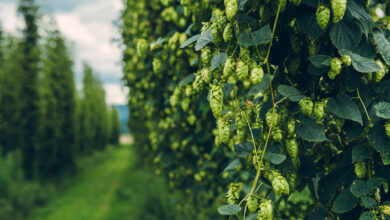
(113, 189)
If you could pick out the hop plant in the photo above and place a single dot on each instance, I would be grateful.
(360, 169)
(215, 32)
(242, 70)
(268, 118)
(346, 60)
(231, 8)
(252, 204)
(313, 48)
(228, 67)
(387, 128)
(296, 2)
(216, 99)
(323, 16)
(240, 121)
(338, 8)
(335, 65)
(185, 103)
(295, 43)
(220, 18)
(233, 193)
(277, 135)
(280, 186)
(228, 33)
(245, 54)
(276, 4)
(291, 127)
(206, 75)
(157, 65)
(266, 211)
(335, 68)
(174, 99)
(198, 83)
(142, 48)
(306, 105)
(292, 180)
(296, 163)
(380, 73)
(224, 130)
(292, 148)
(257, 75)
(256, 161)
(385, 209)
(205, 56)
(319, 109)
(188, 90)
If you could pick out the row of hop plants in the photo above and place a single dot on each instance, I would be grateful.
(298, 92)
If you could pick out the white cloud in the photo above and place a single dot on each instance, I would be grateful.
(117, 93)
(8, 17)
(90, 27)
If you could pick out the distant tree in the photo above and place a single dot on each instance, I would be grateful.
(57, 145)
(115, 127)
(92, 113)
(100, 116)
(29, 98)
(10, 102)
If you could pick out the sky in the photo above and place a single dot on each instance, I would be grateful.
(89, 26)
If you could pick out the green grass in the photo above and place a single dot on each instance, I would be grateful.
(110, 190)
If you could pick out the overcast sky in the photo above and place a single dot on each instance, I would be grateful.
(88, 24)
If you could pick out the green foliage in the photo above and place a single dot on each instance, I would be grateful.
(229, 209)
(29, 94)
(114, 128)
(10, 116)
(92, 114)
(58, 137)
(171, 125)
(322, 100)
(18, 196)
(39, 120)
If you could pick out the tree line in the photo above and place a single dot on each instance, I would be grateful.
(42, 115)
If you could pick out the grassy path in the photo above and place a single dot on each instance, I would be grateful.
(91, 194)
(111, 190)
